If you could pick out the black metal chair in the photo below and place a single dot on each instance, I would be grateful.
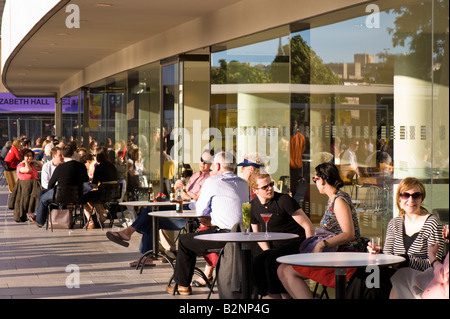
(66, 196)
(109, 195)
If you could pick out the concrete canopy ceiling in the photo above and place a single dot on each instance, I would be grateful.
(51, 53)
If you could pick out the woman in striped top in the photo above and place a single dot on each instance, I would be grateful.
(410, 233)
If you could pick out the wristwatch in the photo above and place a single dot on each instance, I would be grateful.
(325, 243)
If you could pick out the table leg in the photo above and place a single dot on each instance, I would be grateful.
(246, 270)
(155, 236)
(341, 281)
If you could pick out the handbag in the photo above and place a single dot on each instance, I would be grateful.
(320, 234)
(61, 218)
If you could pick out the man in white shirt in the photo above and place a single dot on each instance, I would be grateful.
(49, 167)
(221, 199)
(349, 156)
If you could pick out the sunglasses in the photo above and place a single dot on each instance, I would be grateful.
(315, 179)
(267, 186)
(203, 161)
(413, 195)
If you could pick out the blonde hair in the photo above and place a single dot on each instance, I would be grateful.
(253, 179)
(16, 143)
(405, 184)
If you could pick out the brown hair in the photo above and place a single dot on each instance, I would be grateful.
(26, 151)
(405, 184)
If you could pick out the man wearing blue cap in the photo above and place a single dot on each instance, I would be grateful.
(251, 165)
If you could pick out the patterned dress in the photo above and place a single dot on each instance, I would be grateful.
(329, 222)
(326, 276)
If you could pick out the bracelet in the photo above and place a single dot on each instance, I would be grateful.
(432, 263)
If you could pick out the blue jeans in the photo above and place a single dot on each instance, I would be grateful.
(144, 225)
(42, 211)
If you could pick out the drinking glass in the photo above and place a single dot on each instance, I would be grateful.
(266, 217)
(376, 244)
(445, 232)
(246, 217)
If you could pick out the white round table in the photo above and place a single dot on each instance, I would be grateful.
(139, 203)
(340, 261)
(190, 215)
(156, 204)
(245, 240)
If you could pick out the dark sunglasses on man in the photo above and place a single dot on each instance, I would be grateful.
(265, 187)
(203, 161)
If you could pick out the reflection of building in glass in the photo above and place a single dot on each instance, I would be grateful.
(363, 65)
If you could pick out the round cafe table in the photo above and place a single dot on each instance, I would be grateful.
(155, 204)
(245, 240)
(189, 215)
(340, 261)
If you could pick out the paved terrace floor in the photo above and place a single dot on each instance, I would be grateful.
(33, 264)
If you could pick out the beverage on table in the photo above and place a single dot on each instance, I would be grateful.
(246, 217)
(179, 201)
(266, 218)
(172, 193)
(151, 193)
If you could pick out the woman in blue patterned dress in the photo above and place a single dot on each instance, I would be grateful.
(340, 218)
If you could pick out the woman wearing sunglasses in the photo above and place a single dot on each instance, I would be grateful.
(410, 233)
(340, 219)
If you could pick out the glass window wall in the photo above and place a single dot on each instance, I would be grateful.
(365, 88)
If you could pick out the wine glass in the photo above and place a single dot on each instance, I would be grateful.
(266, 217)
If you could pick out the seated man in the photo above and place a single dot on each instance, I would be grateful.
(287, 217)
(49, 167)
(221, 199)
(144, 223)
(70, 172)
(196, 181)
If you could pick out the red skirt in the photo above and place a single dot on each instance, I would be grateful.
(324, 276)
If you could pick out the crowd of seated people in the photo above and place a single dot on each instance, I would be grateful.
(40, 161)
(415, 234)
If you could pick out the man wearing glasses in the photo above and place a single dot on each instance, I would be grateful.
(287, 217)
(196, 181)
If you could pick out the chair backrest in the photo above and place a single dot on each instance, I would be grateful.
(110, 192)
(68, 194)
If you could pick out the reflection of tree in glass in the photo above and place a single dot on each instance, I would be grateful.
(415, 27)
(307, 67)
(238, 72)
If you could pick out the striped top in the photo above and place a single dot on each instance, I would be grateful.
(417, 254)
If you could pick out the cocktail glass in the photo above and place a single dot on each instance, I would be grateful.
(266, 217)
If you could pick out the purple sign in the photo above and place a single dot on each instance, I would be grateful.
(11, 103)
(70, 104)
